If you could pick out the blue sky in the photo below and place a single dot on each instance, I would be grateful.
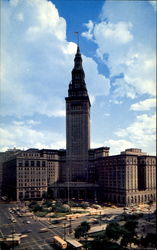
(117, 42)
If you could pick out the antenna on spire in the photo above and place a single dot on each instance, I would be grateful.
(77, 33)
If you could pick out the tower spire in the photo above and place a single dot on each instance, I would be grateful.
(78, 74)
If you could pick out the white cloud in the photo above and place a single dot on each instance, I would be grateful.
(37, 60)
(25, 136)
(127, 54)
(141, 132)
(115, 101)
(144, 105)
(123, 89)
(140, 72)
(95, 144)
(27, 122)
(117, 146)
(107, 31)
(94, 79)
(154, 5)
(107, 114)
(32, 122)
(118, 33)
(88, 34)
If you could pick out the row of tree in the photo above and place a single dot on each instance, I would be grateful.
(117, 236)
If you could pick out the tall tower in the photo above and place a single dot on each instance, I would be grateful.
(77, 124)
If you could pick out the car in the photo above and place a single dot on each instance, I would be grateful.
(126, 208)
(95, 222)
(20, 215)
(43, 230)
(66, 226)
(23, 236)
(26, 231)
(55, 221)
(52, 226)
(15, 235)
(26, 221)
(13, 220)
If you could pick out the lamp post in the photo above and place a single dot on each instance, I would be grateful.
(13, 231)
(100, 218)
(70, 228)
(64, 231)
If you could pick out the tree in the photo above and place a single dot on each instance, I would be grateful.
(131, 225)
(113, 231)
(32, 204)
(101, 242)
(47, 203)
(78, 232)
(129, 233)
(150, 203)
(36, 208)
(149, 241)
(82, 230)
(85, 225)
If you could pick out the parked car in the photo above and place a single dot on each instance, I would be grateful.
(43, 230)
(26, 231)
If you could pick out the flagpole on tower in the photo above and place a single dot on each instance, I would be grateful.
(77, 34)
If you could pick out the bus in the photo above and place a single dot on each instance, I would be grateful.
(74, 244)
(6, 242)
(60, 242)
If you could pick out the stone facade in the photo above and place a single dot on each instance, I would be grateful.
(127, 178)
(28, 174)
(4, 157)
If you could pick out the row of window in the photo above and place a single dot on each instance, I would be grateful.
(32, 164)
(27, 169)
(36, 189)
(32, 155)
(26, 184)
(31, 180)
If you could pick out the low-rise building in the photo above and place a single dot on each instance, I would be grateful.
(128, 178)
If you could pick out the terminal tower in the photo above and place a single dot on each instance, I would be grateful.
(78, 176)
(77, 125)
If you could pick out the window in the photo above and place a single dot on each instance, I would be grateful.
(38, 163)
(32, 163)
(26, 164)
(43, 164)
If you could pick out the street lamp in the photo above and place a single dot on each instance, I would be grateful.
(70, 228)
(64, 231)
(13, 231)
(100, 217)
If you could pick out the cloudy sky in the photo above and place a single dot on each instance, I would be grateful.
(117, 42)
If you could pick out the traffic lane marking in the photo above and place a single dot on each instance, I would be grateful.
(27, 244)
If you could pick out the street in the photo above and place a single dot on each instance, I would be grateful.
(34, 238)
